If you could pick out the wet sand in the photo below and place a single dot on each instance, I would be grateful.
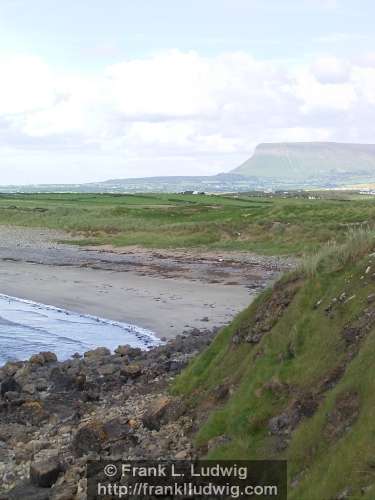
(163, 291)
(165, 306)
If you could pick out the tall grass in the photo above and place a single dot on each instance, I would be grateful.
(333, 256)
(267, 226)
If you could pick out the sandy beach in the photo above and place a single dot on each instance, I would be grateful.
(166, 292)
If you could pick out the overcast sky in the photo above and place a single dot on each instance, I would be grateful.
(98, 89)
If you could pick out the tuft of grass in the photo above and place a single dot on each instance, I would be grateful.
(332, 255)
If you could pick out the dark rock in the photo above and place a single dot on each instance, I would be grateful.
(279, 424)
(29, 389)
(60, 380)
(63, 492)
(131, 371)
(10, 368)
(351, 335)
(290, 352)
(32, 412)
(26, 491)
(55, 399)
(116, 429)
(49, 357)
(89, 438)
(153, 416)
(123, 350)
(36, 359)
(45, 473)
(254, 338)
(236, 339)
(174, 410)
(41, 384)
(91, 395)
(80, 381)
(24, 374)
(99, 352)
(9, 385)
(269, 312)
(343, 415)
(306, 406)
(109, 369)
(221, 392)
(332, 378)
(13, 396)
(177, 365)
(43, 358)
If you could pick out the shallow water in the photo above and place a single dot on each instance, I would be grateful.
(28, 327)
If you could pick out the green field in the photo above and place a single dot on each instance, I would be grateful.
(268, 224)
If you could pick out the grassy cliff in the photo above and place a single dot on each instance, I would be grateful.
(293, 377)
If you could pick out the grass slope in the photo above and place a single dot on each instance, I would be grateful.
(269, 225)
(294, 377)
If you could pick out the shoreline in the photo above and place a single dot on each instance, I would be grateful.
(55, 416)
(27, 326)
(167, 292)
(167, 307)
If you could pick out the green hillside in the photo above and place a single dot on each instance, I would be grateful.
(309, 160)
(294, 377)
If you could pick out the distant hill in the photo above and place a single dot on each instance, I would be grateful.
(278, 166)
(213, 184)
(316, 163)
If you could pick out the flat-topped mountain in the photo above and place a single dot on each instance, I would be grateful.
(301, 161)
(298, 165)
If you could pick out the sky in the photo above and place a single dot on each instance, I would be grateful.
(93, 90)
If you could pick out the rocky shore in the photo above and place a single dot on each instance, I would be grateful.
(55, 416)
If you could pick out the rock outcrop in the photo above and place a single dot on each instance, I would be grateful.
(54, 416)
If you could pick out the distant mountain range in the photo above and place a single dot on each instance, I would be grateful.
(299, 165)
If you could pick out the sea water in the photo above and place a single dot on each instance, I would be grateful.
(28, 327)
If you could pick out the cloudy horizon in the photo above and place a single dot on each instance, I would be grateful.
(97, 90)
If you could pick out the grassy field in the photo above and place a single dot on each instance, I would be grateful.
(304, 390)
(268, 225)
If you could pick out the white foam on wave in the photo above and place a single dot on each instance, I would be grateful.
(29, 327)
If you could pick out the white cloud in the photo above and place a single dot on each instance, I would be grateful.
(331, 70)
(176, 110)
(26, 84)
(171, 84)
